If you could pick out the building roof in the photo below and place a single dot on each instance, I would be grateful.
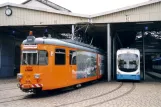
(79, 15)
(43, 9)
(50, 4)
(126, 8)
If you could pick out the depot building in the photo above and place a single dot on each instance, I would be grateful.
(110, 31)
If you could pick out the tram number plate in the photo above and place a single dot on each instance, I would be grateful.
(29, 69)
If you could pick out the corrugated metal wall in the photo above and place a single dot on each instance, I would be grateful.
(145, 13)
(23, 16)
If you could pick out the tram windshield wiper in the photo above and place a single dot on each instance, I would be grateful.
(25, 61)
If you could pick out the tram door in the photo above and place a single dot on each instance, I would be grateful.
(72, 63)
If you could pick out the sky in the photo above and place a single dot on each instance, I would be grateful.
(88, 6)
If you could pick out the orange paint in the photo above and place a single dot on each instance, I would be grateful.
(53, 76)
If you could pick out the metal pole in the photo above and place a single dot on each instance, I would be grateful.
(108, 52)
(143, 57)
(72, 32)
(113, 50)
(14, 47)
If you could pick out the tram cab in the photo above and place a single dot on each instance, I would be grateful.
(128, 64)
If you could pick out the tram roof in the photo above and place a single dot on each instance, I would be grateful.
(124, 50)
(67, 43)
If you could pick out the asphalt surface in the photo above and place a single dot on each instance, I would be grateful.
(100, 94)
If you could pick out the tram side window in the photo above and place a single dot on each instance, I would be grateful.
(72, 58)
(43, 57)
(60, 57)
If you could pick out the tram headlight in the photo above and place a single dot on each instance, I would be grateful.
(118, 72)
(19, 76)
(37, 76)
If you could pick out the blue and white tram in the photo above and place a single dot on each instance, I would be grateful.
(128, 64)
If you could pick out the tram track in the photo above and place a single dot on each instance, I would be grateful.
(22, 97)
(5, 89)
(11, 99)
(19, 97)
(101, 95)
(115, 89)
(114, 98)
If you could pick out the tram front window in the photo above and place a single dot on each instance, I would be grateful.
(34, 57)
(128, 62)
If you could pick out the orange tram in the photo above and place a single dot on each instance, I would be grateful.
(48, 63)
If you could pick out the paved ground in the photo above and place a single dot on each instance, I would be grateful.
(101, 94)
